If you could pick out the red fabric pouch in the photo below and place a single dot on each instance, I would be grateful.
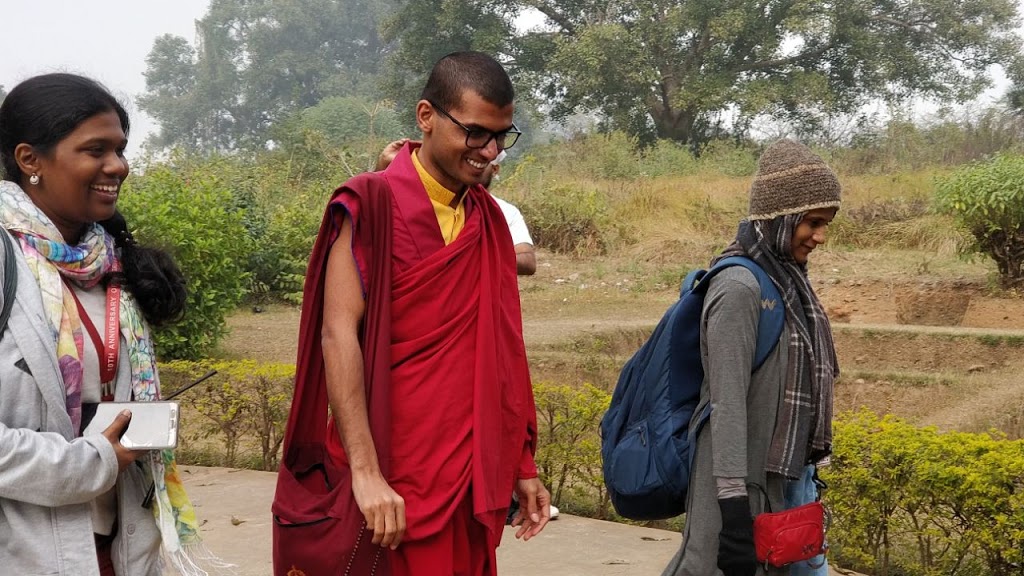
(782, 538)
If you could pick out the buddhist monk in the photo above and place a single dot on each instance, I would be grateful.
(420, 340)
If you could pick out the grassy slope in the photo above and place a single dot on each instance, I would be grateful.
(584, 313)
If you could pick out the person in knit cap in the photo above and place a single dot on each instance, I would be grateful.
(767, 428)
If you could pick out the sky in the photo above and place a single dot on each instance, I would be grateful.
(107, 40)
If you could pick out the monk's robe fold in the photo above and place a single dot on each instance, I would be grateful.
(317, 524)
(463, 422)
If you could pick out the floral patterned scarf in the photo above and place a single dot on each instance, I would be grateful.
(87, 263)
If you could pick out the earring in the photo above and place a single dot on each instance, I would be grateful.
(34, 179)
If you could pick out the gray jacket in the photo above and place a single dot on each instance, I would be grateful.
(735, 443)
(47, 476)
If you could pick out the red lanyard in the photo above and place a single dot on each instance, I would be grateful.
(107, 348)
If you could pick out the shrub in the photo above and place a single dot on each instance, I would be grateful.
(916, 501)
(281, 248)
(569, 218)
(190, 213)
(668, 158)
(988, 200)
(281, 195)
(945, 140)
(344, 119)
(245, 401)
(729, 158)
(603, 156)
(569, 448)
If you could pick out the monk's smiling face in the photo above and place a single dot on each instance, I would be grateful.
(445, 153)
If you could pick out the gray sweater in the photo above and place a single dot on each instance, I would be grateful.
(744, 406)
(48, 478)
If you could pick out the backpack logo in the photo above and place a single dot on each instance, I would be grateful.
(649, 432)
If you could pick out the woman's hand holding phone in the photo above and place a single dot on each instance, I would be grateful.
(113, 434)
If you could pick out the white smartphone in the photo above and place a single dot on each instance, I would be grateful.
(154, 425)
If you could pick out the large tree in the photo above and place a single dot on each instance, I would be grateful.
(673, 68)
(668, 67)
(425, 30)
(256, 62)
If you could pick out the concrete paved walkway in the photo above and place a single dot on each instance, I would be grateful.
(234, 509)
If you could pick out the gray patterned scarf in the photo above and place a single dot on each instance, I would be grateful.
(803, 427)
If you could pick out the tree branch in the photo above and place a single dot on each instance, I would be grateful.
(552, 13)
(765, 64)
(940, 43)
(699, 45)
(902, 24)
(743, 48)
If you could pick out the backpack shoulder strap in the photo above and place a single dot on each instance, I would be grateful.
(10, 267)
(772, 315)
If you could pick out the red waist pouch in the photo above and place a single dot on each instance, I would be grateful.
(782, 538)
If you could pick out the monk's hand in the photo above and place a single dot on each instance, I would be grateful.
(382, 507)
(534, 508)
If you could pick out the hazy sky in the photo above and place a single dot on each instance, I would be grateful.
(105, 39)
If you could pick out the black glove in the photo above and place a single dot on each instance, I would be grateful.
(736, 555)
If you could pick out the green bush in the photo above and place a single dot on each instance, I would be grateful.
(903, 500)
(569, 218)
(569, 447)
(191, 214)
(617, 156)
(988, 200)
(344, 119)
(281, 195)
(668, 158)
(919, 502)
(281, 248)
(603, 156)
(900, 145)
(729, 158)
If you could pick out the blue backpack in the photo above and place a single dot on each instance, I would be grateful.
(647, 440)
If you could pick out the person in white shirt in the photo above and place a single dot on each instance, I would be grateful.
(526, 259)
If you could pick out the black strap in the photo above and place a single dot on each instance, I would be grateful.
(10, 281)
(767, 500)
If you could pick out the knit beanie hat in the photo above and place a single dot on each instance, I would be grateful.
(791, 179)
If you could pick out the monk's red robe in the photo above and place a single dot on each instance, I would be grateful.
(318, 527)
(463, 423)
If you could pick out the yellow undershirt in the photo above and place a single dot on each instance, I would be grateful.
(450, 220)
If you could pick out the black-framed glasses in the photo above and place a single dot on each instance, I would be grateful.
(480, 137)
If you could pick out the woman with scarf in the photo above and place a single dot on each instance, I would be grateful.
(74, 504)
(769, 426)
